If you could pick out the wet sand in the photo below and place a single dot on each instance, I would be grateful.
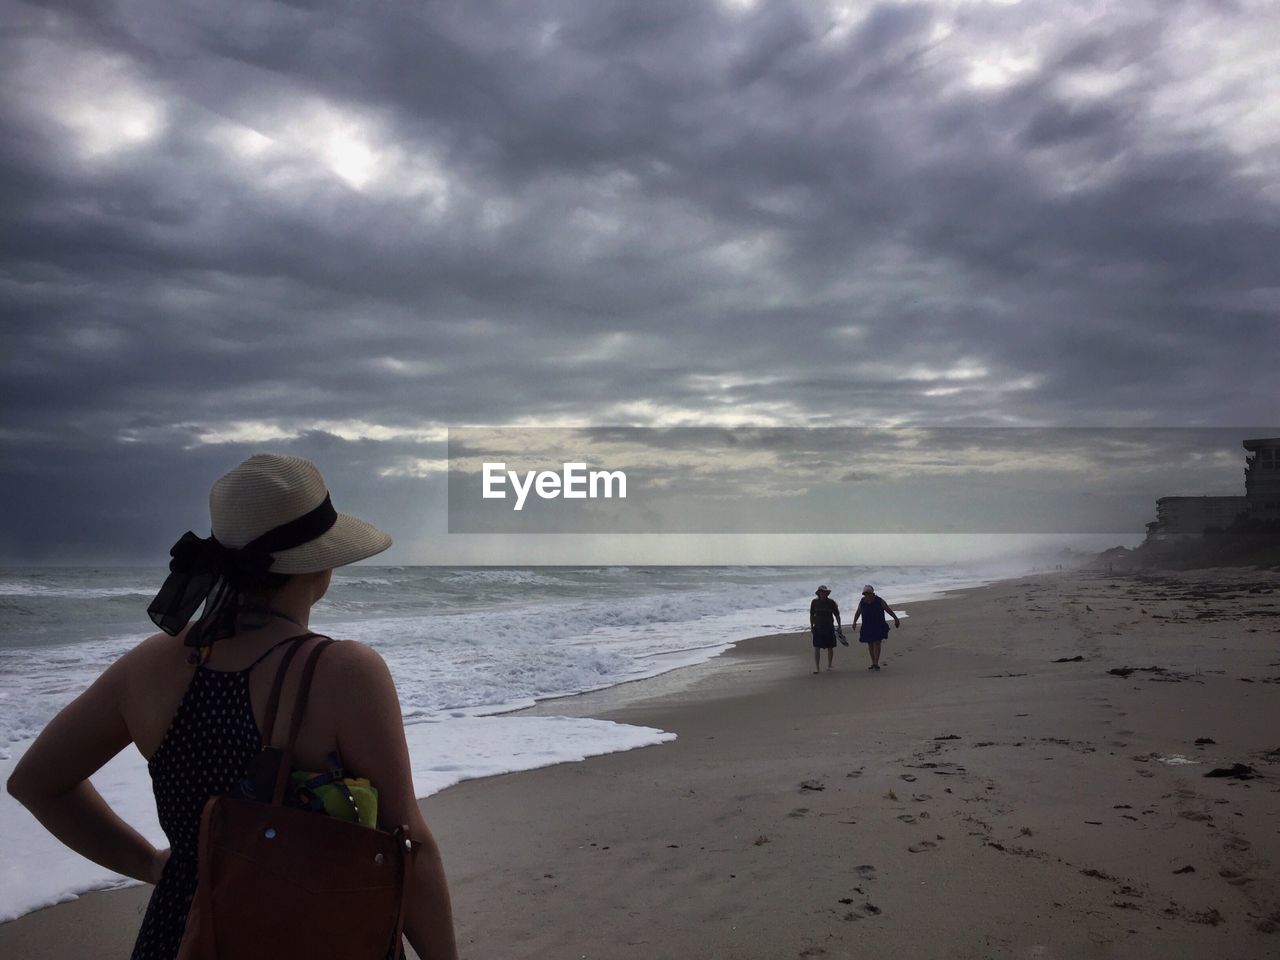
(976, 798)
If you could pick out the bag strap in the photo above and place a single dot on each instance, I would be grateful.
(273, 702)
(407, 849)
(299, 709)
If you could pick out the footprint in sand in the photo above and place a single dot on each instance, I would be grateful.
(868, 909)
(906, 818)
(922, 846)
(1237, 878)
(866, 871)
(798, 812)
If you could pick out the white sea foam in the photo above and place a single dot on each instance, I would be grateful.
(10, 588)
(521, 576)
(37, 871)
(1175, 759)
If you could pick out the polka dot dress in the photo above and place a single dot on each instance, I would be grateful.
(206, 751)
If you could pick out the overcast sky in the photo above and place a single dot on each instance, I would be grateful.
(338, 229)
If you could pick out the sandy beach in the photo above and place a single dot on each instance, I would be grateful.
(998, 790)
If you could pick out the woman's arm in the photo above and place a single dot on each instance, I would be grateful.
(889, 611)
(52, 781)
(372, 744)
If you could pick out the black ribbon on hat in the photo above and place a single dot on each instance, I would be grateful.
(202, 570)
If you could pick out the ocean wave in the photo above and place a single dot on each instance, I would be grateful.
(505, 576)
(10, 588)
(453, 646)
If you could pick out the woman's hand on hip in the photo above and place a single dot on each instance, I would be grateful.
(158, 859)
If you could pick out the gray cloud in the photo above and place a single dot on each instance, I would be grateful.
(342, 228)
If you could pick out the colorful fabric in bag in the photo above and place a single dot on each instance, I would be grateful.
(353, 799)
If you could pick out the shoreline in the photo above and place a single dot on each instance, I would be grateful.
(539, 708)
(473, 744)
(713, 845)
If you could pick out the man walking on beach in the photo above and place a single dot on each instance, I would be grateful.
(824, 619)
(874, 629)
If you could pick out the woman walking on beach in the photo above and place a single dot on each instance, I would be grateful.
(824, 623)
(874, 628)
(276, 539)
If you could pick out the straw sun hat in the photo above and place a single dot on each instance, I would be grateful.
(271, 514)
(267, 491)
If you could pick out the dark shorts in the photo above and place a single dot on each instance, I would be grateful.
(824, 637)
(873, 632)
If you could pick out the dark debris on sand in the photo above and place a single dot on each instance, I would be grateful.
(1237, 771)
(1157, 673)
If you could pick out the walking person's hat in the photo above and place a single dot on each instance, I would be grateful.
(823, 589)
(271, 514)
(868, 588)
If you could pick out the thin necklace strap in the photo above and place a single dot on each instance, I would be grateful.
(272, 649)
(284, 616)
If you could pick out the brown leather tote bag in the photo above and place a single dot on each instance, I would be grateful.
(278, 882)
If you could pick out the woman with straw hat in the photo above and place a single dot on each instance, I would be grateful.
(195, 706)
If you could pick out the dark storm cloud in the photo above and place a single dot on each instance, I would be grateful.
(261, 224)
(88, 499)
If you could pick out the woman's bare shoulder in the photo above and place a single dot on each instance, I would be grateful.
(150, 663)
(157, 649)
(364, 705)
(353, 653)
(358, 667)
